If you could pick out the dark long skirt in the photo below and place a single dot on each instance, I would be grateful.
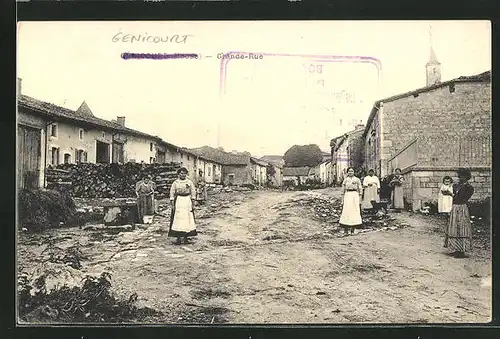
(145, 206)
(458, 234)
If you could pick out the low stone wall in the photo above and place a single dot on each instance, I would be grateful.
(422, 184)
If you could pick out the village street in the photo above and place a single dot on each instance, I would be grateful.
(276, 257)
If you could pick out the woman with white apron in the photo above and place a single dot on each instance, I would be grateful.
(182, 195)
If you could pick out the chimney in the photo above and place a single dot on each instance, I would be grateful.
(19, 86)
(120, 121)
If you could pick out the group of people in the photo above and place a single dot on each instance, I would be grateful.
(183, 195)
(452, 200)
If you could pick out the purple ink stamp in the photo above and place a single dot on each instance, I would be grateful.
(336, 90)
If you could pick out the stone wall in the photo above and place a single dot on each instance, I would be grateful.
(446, 112)
(422, 184)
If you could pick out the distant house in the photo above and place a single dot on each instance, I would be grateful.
(347, 151)
(430, 132)
(277, 161)
(298, 175)
(236, 167)
(323, 171)
(259, 171)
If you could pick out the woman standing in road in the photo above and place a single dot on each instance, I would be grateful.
(397, 190)
(144, 191)
(458, 235)
(371, 186)
(201, 188)
(182, 196)
(351, 208)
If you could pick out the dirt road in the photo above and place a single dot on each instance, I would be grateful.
(261, 257)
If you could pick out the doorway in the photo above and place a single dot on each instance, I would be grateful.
(102, 152)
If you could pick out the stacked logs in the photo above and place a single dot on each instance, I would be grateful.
(85, 180)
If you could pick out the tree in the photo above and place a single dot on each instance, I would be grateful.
(305, 155)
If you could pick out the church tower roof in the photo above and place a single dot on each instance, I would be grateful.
(432, 55)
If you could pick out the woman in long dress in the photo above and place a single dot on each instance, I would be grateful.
(458, 234)
(371, 190)
(144, 191)
(182, 196)
(201, 188)
(351, 208)
(445, 197)
(397, 190)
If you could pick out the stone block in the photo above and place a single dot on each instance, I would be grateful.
(479, 179)
(424, 193)
(434, 185)
(421, 174)
(425, 179)
(416, 204)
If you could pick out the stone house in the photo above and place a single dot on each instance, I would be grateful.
(430, 132)
(277, 161)
(324, 171)
(192, 160)
(235, 167)
(259, 171)
(347, 151)
(298, 175)
(61, 135)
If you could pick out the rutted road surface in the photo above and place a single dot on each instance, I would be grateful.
(261, 258)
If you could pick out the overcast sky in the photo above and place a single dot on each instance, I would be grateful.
(269, 104)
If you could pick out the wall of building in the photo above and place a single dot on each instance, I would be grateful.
(138, 149)
(68, 141)
(372, 146)
(437, 114)
(24, 118)
(422, 184)
(242, 174)
(342, 163)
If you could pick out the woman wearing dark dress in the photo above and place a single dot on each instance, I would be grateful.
(458, 234)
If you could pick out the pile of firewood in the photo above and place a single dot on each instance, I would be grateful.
(86, 180)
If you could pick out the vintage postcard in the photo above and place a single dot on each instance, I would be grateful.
(254, 172)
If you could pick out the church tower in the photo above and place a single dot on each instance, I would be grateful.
(433, 67)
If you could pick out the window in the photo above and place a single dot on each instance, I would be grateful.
(209, 173)
(55, 156)
(182, 156)
(53, 130)
(67, 158)
(81, 134)
(104, 135)
(215, 168)
(188, 158)
(151, 146)
(80, 156)
(151, 160)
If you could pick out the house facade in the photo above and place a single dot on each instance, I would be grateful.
(298, 175)
(277, 161)
(231, 168)
(259, 171)
(430, 132)
(324, 171)
(49, 135)
(347, 151)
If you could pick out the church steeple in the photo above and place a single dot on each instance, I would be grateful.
(433, 67)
